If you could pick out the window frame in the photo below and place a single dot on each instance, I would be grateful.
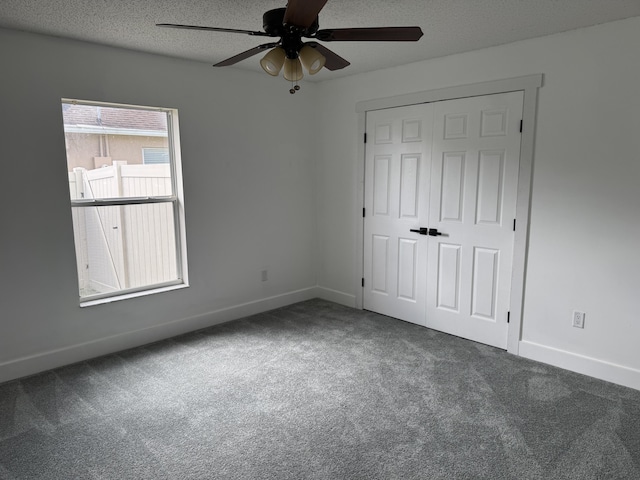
(176, 199)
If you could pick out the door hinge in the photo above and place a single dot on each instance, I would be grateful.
(363, 281)
(508, 317)
(521, 121)
(365, 137)
(514, 224)
(363, 212)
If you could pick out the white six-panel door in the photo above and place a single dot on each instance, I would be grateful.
(397, 168)
(457, 282)
(475, 152)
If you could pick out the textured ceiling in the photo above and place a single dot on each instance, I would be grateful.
(450, 26)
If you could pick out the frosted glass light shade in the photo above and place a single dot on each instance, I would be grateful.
(272, 62)
(292, 69)
(312, 59)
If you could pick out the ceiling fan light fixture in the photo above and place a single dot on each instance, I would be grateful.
(272, 62)
(312, 59)
(292, 69)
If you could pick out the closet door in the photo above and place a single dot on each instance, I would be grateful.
(397, 167)
(440, 198)
(475, 160)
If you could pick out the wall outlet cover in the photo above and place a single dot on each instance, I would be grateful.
(578, 319)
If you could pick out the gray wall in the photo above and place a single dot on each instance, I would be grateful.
(247, 152)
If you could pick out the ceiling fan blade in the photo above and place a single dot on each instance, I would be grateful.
(213, 29)
(302, 13)
(334, 61)
(375, 34)
(241, 56)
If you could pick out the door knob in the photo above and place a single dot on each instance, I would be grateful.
(433, 232)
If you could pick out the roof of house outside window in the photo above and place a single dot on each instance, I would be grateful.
(107, 118)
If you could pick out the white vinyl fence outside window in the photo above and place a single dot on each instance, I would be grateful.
(127, 215)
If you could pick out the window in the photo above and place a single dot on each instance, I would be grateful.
(155, 155)
(125, 185)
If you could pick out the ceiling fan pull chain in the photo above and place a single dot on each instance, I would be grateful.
(296, 87)
(298, 66)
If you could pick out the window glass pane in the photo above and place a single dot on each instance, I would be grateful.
(105, 148)
(155, 155)
(124, 247)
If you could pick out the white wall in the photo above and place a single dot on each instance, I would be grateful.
(585, 207)
(248, 177)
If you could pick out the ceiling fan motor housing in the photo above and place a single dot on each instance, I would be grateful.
(272, 22)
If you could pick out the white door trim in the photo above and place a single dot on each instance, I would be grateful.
(529, 85)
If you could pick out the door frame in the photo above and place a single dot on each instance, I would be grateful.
(529, 85)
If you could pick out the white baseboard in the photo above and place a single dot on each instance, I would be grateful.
(336, 296)
(611, 372)
(40, 362)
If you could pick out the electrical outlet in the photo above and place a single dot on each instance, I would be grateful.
(265, 275)
(578, 319)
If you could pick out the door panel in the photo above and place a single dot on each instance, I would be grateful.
(381, 167)
(448, 282)
(407, 257)
(380, 264)
(409, 166)
(452, 197)
(475, 153)
(490, 186)
(485, 277)
(397, 168)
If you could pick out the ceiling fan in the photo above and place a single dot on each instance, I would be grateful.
(297, 21)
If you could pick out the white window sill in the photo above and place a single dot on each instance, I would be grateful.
(125, 296)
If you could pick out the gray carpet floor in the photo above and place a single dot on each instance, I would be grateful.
(317, 391)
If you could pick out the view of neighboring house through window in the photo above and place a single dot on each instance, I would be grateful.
(124, 182)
